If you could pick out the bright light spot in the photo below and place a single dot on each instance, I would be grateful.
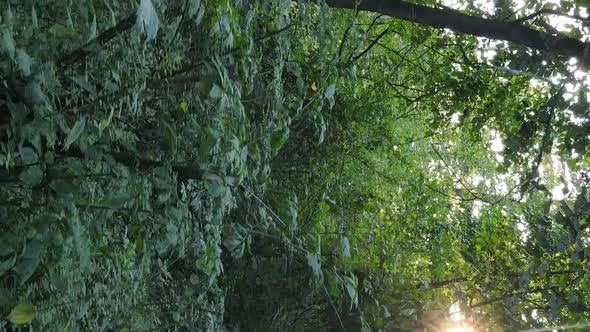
(455, 312)
(476, 180)
(489, 54)
(496, 141)
(476, 212)
(557, 192)
(461, 328)
(523, 229)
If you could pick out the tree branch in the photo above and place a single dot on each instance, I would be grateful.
(472, 25)
(80, 54)
(552, 12)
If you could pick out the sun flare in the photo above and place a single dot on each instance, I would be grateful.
(460, 329)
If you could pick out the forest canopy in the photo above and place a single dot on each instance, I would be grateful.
(334, 165)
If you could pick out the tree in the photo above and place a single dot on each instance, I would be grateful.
(270, 165)
(493, 28)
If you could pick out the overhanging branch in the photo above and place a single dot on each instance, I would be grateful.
(472, 25)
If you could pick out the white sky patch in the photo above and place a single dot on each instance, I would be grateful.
(553, 171)
(523, 229)
(496, 143)
(476, 180)
(557, 192)
(476, 212)
(455, 313)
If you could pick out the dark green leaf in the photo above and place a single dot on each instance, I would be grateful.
(28, 156)
(32, 175)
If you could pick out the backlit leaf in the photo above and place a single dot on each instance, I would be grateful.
(8, 42)
(24, 62)
(314, 263)
(147, 19)
(22, 314)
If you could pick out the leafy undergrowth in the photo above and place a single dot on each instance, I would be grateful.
(210, 165)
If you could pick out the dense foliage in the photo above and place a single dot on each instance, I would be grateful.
(208, 165)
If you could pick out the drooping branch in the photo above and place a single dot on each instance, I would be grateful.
(184, 172)
(375, 41)
(472, 25)
(104, 37)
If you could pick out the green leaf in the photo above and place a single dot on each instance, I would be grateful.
(345, 246)
(7, 264)
(235, 239)
(92, 33)
(216, 188)
(22, 314)
(58, 30)
(30, 261)
(8, 16)
(31, 175)
(314, 263)
(28, 156)
(84, 253)
(351, 285)
(203, 87)
(7, 243)
(120, 199)
(33, 93)
(6, 299)
(75, 132)
(8, 42)
(24, 62)
(216, 91)
(333, 285)
(34, 21)
(330, 91)
(84, 84)
(147, 19)
(63, 187)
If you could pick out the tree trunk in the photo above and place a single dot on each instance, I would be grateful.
(471, 25)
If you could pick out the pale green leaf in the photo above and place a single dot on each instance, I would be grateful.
(75, 132)
(24, 62)
(351, 286)
(34, 20)
(22, 314)
(147, 19)
(8, 42)
(345, 246)
(330, 91)
(216, 91)
(314, 263)
(92, 33)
